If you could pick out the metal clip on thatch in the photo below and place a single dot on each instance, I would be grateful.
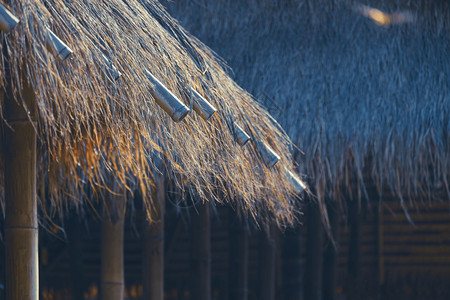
(166, 100)
(297, 184)
(111, 70)
(57, 47)
(7, 20)
(202, 106)
(240, 135)
(269, 156)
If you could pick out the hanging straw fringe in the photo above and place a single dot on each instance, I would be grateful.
(341, 84)
(91, 128)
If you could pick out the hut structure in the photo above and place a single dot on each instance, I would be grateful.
(95, 92)
(362, 87)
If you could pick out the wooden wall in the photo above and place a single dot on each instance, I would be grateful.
(415, 256)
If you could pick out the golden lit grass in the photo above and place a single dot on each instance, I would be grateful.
(92, 129)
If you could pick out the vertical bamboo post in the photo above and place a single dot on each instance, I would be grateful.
(201, 253)
(330, 263)
(354, 250)
(21, 221)
(153, 250)
(267, 259)
(238, 275)
(292, 267)
(112, 272)
(314, 253)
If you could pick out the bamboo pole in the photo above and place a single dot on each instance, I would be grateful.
(314, 254)
(238, 275)
(112, 271)
(21, 221)
(201, 253)
(292, 267)
(330, 263)
(153, 250)
(267, 278)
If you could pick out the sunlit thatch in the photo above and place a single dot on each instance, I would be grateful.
(363, 101)
(91, 126)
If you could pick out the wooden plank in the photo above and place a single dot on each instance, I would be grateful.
(74, 234)
(330, 263)
(201, 253)
(173, 240)
(419, 268)
(238, 262)
(417, 259)
(380, 246)
(314, 255)
(417, 250)
(420, 217)
(408, 228)
(292, 264)
(267, 266)
(354, 251)
(423, 238)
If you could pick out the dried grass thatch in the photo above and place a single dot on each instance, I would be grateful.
(363, 88)
(91, 127)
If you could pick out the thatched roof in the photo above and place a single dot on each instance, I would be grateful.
(91, 126)
(364, 92)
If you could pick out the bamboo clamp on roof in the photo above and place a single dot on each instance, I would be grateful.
(91, 128)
